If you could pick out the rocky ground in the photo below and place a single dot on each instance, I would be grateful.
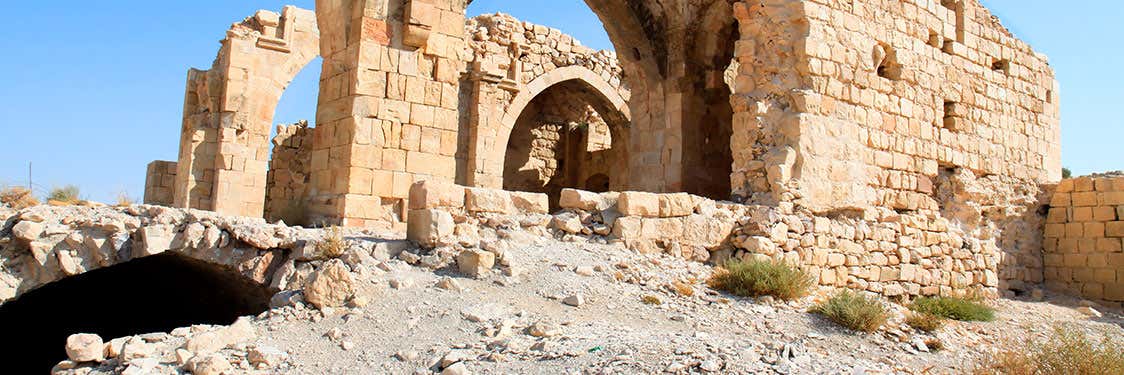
(565, 306)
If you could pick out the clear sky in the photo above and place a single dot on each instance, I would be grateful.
(91, 94)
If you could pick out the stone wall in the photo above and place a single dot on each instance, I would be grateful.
(159, 183)
(879, 250)
(228, 111)
(1084, 238)
(288, 182)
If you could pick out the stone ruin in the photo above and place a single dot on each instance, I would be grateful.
(902, 147)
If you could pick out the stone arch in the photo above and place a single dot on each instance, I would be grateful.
(229, 109)
(491, 141)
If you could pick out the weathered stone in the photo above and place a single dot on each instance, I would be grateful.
(154, 239)
(267, 356)
(429, 227)
(568, 222)
(84, 347)
(475, 263)
(487, 200)
(639, 204)
(27, 231)
(676, 205)
(530, 203)
(582, 200)
(330, 286)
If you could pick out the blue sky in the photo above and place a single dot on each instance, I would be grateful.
(91, 94)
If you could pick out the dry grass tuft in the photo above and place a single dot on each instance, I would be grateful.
(18, 198)
(955, 308)
(124, 200)
(853, 310)
(759, 278)
(333, 244)
(683, 289)
(1066, 351)
(65, 195)
(651, 300)
(924, 321)
(934, 344)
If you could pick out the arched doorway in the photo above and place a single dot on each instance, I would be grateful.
(568, 135)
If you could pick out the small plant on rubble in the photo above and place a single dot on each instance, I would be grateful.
(124, 200)
(955, 308)
(924, 321)
(68, 194)
(333, 244)
(755, 278)
(1066, 351)
(853, 310)
(18, 198)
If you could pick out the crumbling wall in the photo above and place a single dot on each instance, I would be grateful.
(159, 183)
(1084, 238)
(228, 111)
(288, 182)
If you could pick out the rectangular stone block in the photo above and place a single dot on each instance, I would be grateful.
(632, 203)
(1082, 214)
(1057, 215)
(530, 203)
(1114, 229)
(627, 228)
(582, 200)
(1094, 230)
(1109, 245)
(1112, 198)
(429, 227)
(1104, 213)
(433, 193)
(487, 200)
(1083, 184)
(1085, 199)
(1061, 200)
(676, 205)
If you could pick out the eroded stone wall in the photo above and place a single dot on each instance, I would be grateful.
(288, 182)
(160, 182)
(228, 111)
(1084, 238)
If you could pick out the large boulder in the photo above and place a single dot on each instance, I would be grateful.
(85, 347)
(330, 286)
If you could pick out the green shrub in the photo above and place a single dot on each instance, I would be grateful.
(66, 194)
(759, 278)
(1066, 351)
(924, 321)
(953, 308)
(853, 310)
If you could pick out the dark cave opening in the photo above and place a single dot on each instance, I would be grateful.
(152, 294)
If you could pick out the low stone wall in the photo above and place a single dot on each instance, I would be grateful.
(160, 182)
(1084, 239)
(896, 254)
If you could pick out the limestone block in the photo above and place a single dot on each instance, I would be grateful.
(487, 200)
(640, 204)
(85, 347)
(429, 227)
(676, 205)
(568, 222)
(475, 263)
(582, 200)
(154, 239)
(27, 231)
(530, 203)
(627, 228)
(759, 245)
(433, 193)
(330, 286)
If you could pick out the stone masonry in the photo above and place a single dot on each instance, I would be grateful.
(160, 182)
(922, 127)
(1084, 248)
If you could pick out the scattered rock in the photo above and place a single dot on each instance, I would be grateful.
(1089, 311)
(85, 347)
(574, 300)
(475, 263)
(450, 284)
(266, 355)
(212, 364)
(330, 286)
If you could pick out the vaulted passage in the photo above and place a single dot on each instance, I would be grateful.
(152, 294)
(567, 137)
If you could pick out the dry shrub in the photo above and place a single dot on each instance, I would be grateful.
(18, 198)
(934, 344)
(683, 289)
(68, 194)
(924, 321)
(1066, 351)
(853, 310)
(124, 200)
(333, 244)
(955, 308)
(755, 278)
(651, 300)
